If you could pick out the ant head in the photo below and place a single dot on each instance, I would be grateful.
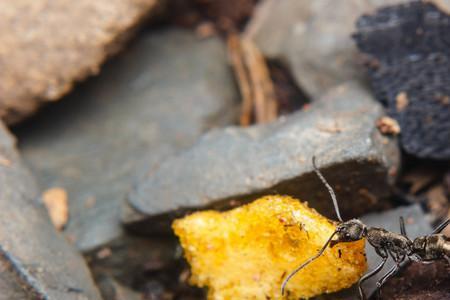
(349, 231)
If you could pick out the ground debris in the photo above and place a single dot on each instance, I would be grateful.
(56, 202)
(225, 16)
(387, 125)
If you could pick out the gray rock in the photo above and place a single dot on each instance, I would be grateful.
(416, 225)
(314, 38)
(36, 262)
(239, 164)
(155, 99)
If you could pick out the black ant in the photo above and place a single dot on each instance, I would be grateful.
(385, 243)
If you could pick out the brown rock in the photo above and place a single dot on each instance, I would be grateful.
(420, 281)
(47, 46)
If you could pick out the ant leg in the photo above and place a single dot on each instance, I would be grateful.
(383, 279)
(392, 272)
(448, 259)
(441, 227)
(362, 296)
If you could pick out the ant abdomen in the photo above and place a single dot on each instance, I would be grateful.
(432, 247)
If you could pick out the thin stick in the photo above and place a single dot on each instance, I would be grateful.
(330, 189)
(242, 76)
(283, 286)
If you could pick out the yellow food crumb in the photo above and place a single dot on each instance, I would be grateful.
(245, 253)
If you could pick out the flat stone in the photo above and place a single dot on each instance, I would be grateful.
(155, 99)
(314, 38)
(48, 46)
(235, 165)
(36, 262)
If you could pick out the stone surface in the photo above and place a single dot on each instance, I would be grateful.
(239, 164)
(411, 77)
(157, 98)
(47, 46)
(35, 261)
(314, 38)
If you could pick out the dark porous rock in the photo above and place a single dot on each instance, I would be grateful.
(235, 165)
(314, 38)
(420, 282)
(47, 46)
(411, 76)
(154, 100)
(36, 262)
(416, 225)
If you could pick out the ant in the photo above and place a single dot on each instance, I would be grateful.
(385, 243)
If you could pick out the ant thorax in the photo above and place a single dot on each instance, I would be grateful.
(396, 243)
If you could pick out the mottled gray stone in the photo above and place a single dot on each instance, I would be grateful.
(416, 225)
(155, 99)
(314, 38)
(36, 262)
(244, 163)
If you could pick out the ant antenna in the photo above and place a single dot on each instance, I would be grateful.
(328, 186)
(283, 286)
(442, 226)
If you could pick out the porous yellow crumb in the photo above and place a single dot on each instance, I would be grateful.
(245, 253)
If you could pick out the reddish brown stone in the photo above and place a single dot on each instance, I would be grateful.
(47, 46)
(420, 281)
